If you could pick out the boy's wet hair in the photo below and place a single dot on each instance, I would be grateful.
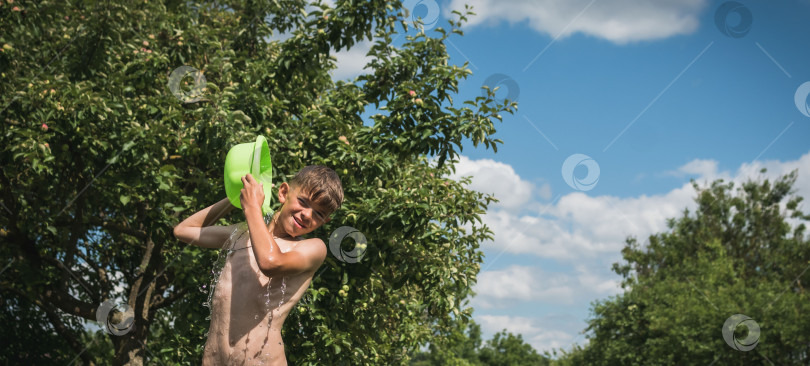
(322, 183)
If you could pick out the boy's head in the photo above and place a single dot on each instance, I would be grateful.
(309, 199)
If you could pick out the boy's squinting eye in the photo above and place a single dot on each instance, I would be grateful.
(303, 203)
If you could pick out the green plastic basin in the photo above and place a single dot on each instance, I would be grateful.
(253, 158)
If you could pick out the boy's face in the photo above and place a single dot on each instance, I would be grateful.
(299, 214)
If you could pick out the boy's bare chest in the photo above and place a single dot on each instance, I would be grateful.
(243, 285)
(243, 269)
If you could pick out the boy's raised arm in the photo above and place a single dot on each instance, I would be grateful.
(196, 228)
(308, 256)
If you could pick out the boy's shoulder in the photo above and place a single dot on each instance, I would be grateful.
(313, 250)
(314, 246)
(311, 243)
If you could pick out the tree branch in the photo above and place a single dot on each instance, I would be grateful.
(105, 225)
(27, 246)
(87, 287)
(162, 302)
(150, 260)
(72, 248)
(66, 334)
(55, 320)
(69, 304)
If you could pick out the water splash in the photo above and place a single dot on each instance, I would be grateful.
(224, 253)
(267, 299)
(269, 311)
(219, 264)
(283, 289)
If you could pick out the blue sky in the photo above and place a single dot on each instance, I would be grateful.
(654, 93)
(583, 91)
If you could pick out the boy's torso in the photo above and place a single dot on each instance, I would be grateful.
(248, 308)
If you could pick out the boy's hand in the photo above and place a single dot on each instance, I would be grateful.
(252, 195)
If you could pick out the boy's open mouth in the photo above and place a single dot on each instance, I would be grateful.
(300, 225)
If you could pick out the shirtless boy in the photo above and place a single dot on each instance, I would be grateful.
(268, 270)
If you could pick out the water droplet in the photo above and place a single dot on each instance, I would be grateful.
(283, 289)
(219, 264)
(269, 217)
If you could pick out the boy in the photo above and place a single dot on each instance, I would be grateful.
(267, 271)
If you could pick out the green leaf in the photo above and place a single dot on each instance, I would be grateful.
(282, 90)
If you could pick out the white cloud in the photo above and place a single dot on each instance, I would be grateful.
(705, 169)
(497, 323)
(545, 335)
(582, 236)
(619, 21)
(279, 37)
(544, 191)
(499, 179)
(497, 288)
(596, 284)
(500, 288)
(350, 63)
(549, 339)
(777, 168)
(581, 226)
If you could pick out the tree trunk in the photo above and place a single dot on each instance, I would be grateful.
(130, 348)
